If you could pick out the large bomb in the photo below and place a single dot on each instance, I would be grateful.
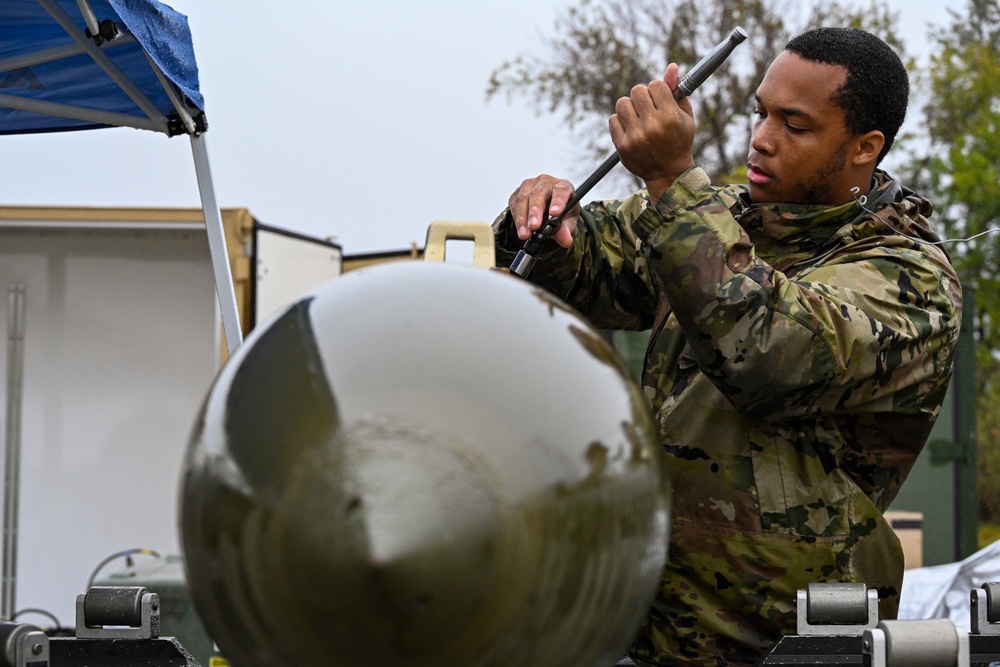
(424, 464)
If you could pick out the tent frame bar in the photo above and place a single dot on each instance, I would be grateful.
(89, 17)
(172, 95)
(80, 113)
(57, 53)
(105, 63)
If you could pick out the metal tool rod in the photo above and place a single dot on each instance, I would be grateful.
(526, 256)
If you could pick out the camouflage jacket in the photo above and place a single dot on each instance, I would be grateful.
(798, 358)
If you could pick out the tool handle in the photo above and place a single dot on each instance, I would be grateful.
(525, 259)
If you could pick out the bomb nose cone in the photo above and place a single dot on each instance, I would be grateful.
(372, 480)
(424, 523)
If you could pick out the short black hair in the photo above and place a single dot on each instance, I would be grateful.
(877, 89)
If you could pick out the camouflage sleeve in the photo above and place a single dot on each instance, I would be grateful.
(603, 274)
(871, 329)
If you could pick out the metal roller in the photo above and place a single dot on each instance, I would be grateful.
(118, 612)
(992, 601)
(114, 605)
(842, 603)
(928, 643)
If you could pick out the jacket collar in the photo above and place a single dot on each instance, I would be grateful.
(804, 228)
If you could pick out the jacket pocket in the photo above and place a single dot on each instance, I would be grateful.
(799, 493)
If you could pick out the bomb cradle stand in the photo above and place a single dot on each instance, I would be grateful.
(116, 626)
(837, 624)
(526, 257)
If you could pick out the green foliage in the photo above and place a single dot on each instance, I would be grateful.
(600, 49)
(963, 171)
(988, 534)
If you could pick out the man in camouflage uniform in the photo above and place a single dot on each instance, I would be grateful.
(802, 336)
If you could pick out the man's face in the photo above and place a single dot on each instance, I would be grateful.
(799, 147)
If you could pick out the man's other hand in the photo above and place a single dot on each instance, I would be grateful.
(539, 198)
(654, 133)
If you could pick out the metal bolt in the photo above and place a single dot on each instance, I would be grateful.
(36, 648)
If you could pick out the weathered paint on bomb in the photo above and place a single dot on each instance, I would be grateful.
(424, 464)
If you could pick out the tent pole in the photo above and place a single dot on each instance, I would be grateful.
(217, 245)
(89, 17)
(12, 446)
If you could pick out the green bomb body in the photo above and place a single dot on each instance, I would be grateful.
(423, 463)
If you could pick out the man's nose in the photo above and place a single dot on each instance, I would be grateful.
(761, 139)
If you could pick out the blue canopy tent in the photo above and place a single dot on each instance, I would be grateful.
(85, 64)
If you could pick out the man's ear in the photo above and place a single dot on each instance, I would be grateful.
(867, 147)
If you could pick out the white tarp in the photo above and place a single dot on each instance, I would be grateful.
(943, 591)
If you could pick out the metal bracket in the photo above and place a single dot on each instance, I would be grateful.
(118, 612)
(986, 609)
(481, 234)
(836, 609)
(873, 648)
(23, 645)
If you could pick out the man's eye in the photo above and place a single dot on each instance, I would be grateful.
(795, 130)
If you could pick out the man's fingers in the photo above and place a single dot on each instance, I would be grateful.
(617, 129)
(672, 76)
(518, 205)
(642, 101)
(661, 95)
(633, 109)
(564, 234)
(642, 105)
(537, 199)
(562, 191)
(625, 110)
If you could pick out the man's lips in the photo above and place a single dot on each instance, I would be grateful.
(757, 176)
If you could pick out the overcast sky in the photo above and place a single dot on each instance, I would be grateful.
(358, 121)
